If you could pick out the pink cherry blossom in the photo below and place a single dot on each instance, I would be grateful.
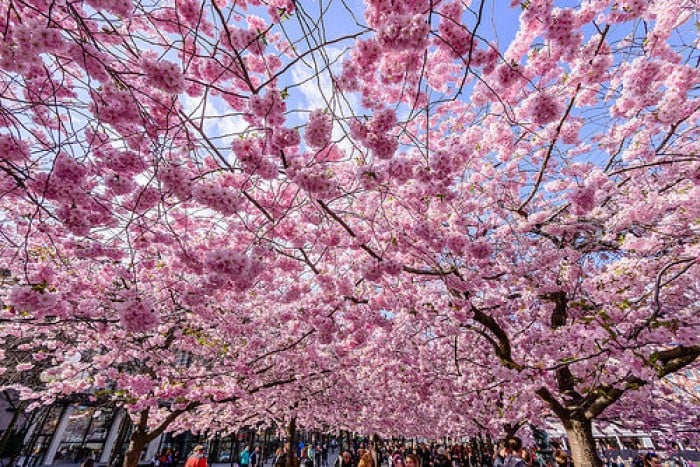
(223, 204)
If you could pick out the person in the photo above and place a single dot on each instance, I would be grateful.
(412, 461)
(318, 455)
(256, 458)
(652, 459)
(441, 459)
(344, 460)
(279, 460)
(561, 458)
(513, 448)
(305, 460)
(197, 458)
(456, 454)
(245, 457)
(311, 453)
(166, 458)
(89, 462)
(485, 456)
(282, 458)
(397, 460)
(638, 460)
(365, 459)
(424, 455)
(499, 454)
(118, 461)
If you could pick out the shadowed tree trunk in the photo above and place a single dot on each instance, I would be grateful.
(291, 442)
(141, 435)
(581, 442)
(137, 441)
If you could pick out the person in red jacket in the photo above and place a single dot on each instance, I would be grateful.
(197, 459)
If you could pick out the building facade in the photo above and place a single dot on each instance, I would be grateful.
(67, 434)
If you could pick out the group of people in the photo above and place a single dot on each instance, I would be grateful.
(313, 455)
(251, 457)
(356, 453)
(508, 453)
(167, 458)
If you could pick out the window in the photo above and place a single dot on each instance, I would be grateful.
(85, 435)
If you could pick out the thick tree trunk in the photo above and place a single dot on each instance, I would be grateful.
(142, 435)
(133, 452)
(291, 443)
(581, 442)
(137, 440)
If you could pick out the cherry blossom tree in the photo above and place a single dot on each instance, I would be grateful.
(277, 188)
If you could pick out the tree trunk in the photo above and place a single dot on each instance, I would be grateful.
(137, 440)
(291, 443)
(133, 452)
(581, 442)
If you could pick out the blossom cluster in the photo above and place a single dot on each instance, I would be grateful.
(176, 179)
(250, 153)
(189, 11)
(453, 34)
(480, 249)
(16, 59)
(164, 75)
(20, 51)
(317, 183)
(217, 197)
(541, 108)
(243, 39)
(121, 161)
(137, 314)
(375, 134)
(674, 105)
(625, 10)
(640, 81)
(562, 29)
(36, 38)
(123, 8)
(277, 9)
(115, 106)
(640, 76)
(269, 107)
(595, 59)
(80, 218)
(228, 266)
(119, 184)
(583, 199)
(318, 129)
(374, 270)
(403, 32)
(12, 149)
(143, 199)
(36, 301)
(283, 138)
(400, 168)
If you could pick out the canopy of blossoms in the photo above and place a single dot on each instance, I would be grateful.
(217, 211)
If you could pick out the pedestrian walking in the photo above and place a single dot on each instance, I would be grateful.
(245, 457)
(197, 458)
(256, 459)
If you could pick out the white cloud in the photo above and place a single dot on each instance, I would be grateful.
(317, 92)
